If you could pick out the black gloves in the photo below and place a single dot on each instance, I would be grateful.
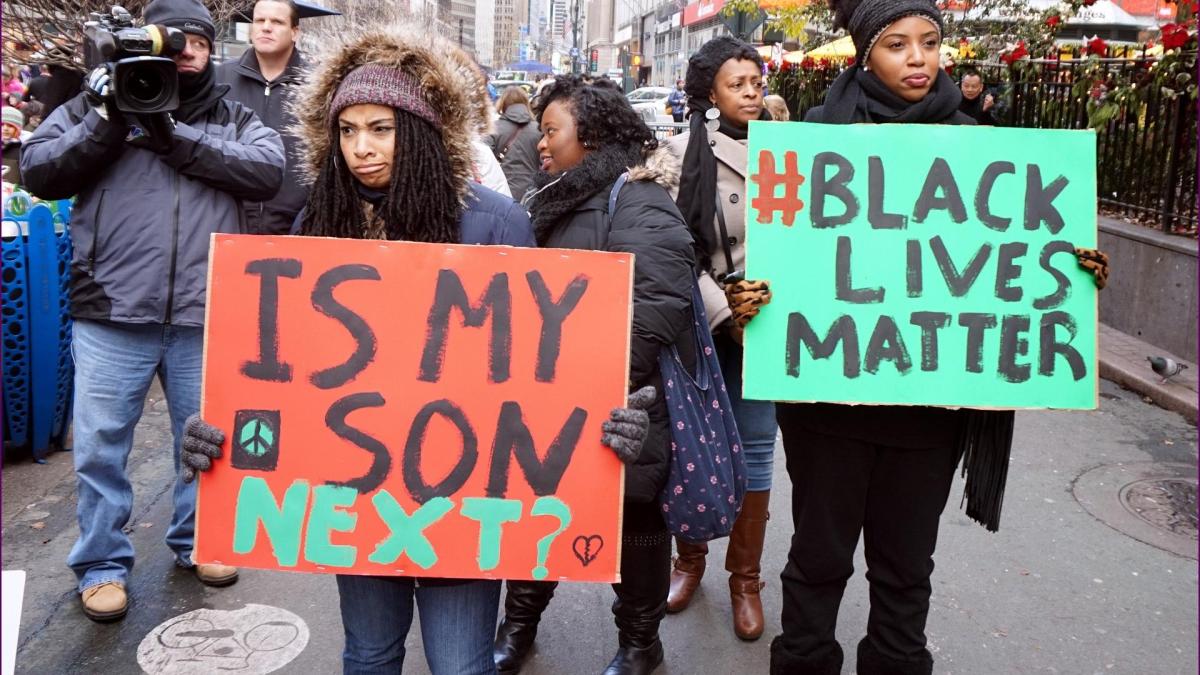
(201, 444)
(626, 428)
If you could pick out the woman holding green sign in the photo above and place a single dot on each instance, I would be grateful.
(884, 471)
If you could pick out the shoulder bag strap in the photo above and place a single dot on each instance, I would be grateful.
(724, 235)
(509, 141)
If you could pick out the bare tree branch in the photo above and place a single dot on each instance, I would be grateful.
(51, 31)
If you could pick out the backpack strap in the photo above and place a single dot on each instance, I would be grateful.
(612, 196)
(612, 205)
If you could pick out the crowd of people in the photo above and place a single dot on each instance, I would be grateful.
(389, 134)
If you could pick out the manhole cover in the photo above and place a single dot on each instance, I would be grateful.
(1151, 502)
(1168, 504)
(252, 640)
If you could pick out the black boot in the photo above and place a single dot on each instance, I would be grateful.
(641, 602)
(872, 662)
(826, 660)
(523, 607)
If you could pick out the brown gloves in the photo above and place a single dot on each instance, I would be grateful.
(745, 299)
(1094, 261)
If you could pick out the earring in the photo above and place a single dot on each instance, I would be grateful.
(712, 120)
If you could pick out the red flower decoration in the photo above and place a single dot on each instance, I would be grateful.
(1097, 46)
(808, 63)
(850, 61)
(1053, 20)
(1019, 52)
(1088, 3)
(1174, 36)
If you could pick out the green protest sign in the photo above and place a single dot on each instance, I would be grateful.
(922, 265)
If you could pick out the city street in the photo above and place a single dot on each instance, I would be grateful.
(1068, 585)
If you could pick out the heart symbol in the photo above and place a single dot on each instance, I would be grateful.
(587, 548)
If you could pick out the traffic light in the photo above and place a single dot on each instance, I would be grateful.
(594, 61)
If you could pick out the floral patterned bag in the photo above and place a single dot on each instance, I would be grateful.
(707, 478)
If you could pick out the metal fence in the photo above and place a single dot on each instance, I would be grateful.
(1146, 154)
(664, 131)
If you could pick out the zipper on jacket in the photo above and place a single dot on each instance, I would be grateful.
(267, 89)
(91, 269)
(174, 256)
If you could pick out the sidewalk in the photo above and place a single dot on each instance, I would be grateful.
(1123, 360)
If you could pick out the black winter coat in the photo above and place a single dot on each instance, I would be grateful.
(270, 101)
(520, 163)
(648, 225)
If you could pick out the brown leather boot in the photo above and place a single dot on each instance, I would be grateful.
(686, 574)
(743, 561)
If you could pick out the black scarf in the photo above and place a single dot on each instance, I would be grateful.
(697, 198)
(197, 93)
(559, 195)
(860, 96)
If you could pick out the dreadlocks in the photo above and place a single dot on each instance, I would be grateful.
(421, 203)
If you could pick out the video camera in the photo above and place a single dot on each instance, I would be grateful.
(143, 76)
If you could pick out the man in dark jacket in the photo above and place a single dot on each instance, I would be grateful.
(977, 101)
(265, 80)
(140, 230)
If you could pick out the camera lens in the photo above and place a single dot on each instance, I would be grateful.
(144, 86)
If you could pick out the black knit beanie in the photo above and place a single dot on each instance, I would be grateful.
(188, 16)
(866, 20)
(704, 64)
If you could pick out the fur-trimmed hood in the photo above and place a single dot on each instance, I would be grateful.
(661, 167)
(405, 46)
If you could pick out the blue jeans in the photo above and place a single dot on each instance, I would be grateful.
(458, 624)
(755, 419)
(114, 366)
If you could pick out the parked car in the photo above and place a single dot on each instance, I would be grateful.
(651, 104)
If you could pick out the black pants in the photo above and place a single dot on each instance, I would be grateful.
(894, 496)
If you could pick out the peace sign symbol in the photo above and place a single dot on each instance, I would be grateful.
(256, 436)
(256, 440)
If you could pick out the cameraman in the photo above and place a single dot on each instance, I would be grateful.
(140, 231)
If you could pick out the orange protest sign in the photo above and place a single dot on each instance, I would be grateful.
(413, 409)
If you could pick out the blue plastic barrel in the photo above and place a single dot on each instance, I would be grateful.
(35, 334)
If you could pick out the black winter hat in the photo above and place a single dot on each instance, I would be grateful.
(704, 64)
(188, 16)
(866, 20)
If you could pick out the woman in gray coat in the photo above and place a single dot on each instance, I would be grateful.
(515, 141)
